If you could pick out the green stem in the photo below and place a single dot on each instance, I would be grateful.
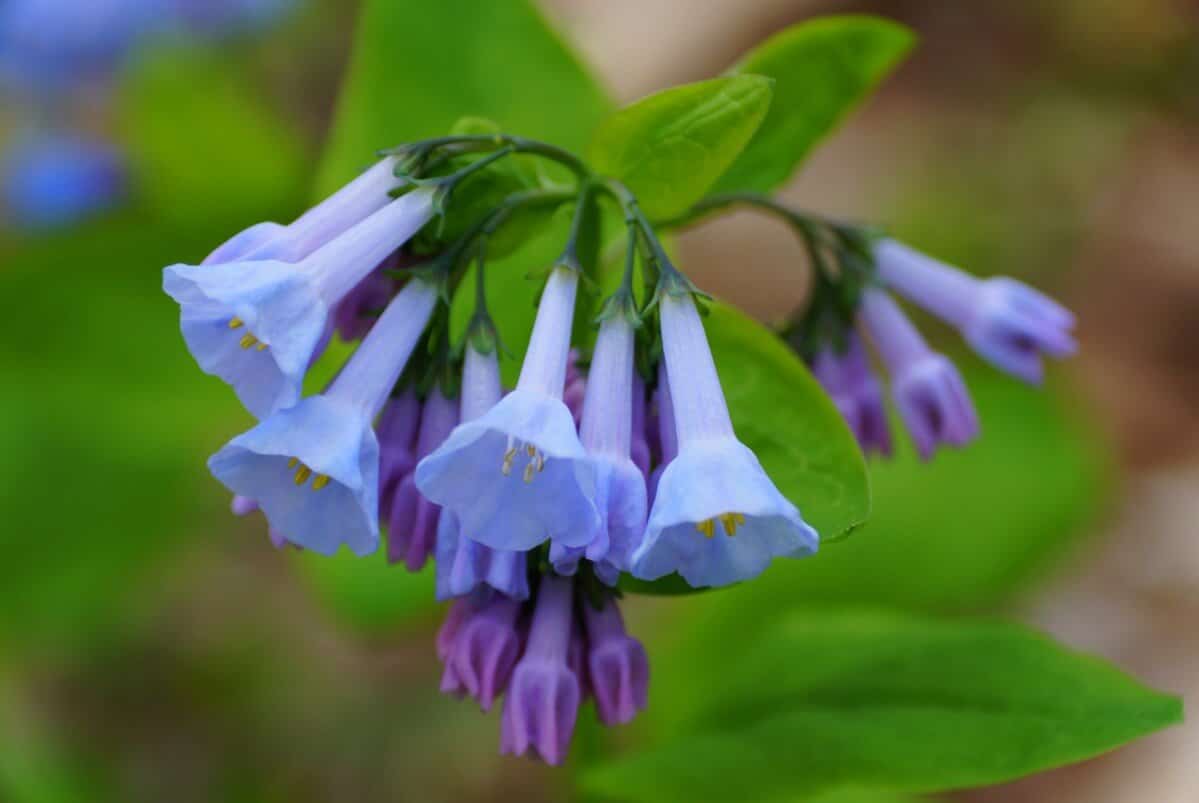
(484, 142)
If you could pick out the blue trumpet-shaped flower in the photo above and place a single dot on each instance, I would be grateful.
(620, 493)
(717, 518)
(329, 440)
(256, 323)
(928, 390)
(1008, 323)
(518, 475)
(56, 179)
(464, 564)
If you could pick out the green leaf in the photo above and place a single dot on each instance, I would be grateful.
(418, 67)
(822, 69)
(781, 412)
(670, 147)
(200, 137)
(906, 704)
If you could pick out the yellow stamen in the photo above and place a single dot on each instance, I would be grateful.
(236, 323)
(509, 456)
(731, 522)
(248, 340)
(530, 470)
(261, 346)
(540, 463)
(303, 474)
(531, 450)
(295, 461)
(320, 482)
(707, 527)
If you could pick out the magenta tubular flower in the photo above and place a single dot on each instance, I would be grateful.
(256, 324)
(396, 431)
(606, 434)
(1007, 322)
(543, 697)
(850, 382)
(617, 665)
(928, 390)
(413, 520)
(329, 439)
(518, 475)
(717, 517)
(486, 647)
(464, 564)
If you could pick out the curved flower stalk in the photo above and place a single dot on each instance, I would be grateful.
(849, 380)
(606, 434)
(464, 564)
(329, 440)
(412, 519)
(928, 390)
(717, 518)
(1008, 323)
(518, 475)
(257, 324)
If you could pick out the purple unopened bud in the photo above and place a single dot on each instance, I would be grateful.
(668, 441)
(639, 448)
(1007, 322)
(928, 390)
(396, 430)
(851, 384)
(412, 522)
(447, 636)
(486, 648)
(356, 312)
(542, 703)
(616, 664)
(575, 389)
(243, 506)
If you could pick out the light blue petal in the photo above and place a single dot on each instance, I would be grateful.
(466, 475)
(463, 565)
(277, 304)
(328, 437)
(705, 481)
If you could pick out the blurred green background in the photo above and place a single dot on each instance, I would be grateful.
(156, 648)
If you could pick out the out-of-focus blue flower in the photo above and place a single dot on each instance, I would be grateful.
(464, 565)
(518, 475)
(928, 390)
(329, 439)
(851, 384)
(256, 323)
(1007, 322)
(57, 179)
(717, 518)
(218, 18)
(543, 698)
(606, 434)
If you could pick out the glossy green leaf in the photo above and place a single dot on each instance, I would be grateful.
(822, 69)
(907, 704)
(418, 67)
(781, 412)
(670, 147)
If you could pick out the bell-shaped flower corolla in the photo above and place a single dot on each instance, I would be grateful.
(1005, 321)
(464, 565)
(256, 324)
(329, 439)
(518, 475)
(850, 382)
(928, 390)
(606, 434)
(717, 518)
(542, 703)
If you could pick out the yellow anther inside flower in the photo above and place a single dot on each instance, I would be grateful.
(302, 475)
(320, 482)
(707, 527)
(295, 461)
(531, 450)
(236, 323)
(261, 347)
(530, 470)
(248, 340)
(731, 522)
(509, 456)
